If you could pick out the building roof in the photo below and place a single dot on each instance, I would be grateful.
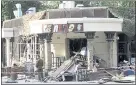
(58, 13)
(23, 21)
(91, 12)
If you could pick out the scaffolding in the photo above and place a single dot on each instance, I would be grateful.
(28, 49)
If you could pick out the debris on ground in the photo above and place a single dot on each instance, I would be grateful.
(75, 69)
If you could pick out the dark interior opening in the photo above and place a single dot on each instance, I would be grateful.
(76, 45)
(122, 48)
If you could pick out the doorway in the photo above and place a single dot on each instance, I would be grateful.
(122, 48)
(75, 45)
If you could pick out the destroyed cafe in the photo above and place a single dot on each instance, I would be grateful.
(82, 40)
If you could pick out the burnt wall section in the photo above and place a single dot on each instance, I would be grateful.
(90, 12)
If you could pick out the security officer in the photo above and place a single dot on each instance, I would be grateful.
(39, 66)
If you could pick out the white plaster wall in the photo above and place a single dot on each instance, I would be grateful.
(7, 32)
(103, 26)
(100, 44)
(58, 44)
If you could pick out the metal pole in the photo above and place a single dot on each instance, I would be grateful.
(35, 47)
(27, 56)
(17, 55)
(20, 50)
(40, 49)
(31, 48)
(8, 58)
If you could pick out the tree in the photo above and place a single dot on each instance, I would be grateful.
(7, 10)
(9, 6)
(129, 19)
(120, 8)
(49, 5)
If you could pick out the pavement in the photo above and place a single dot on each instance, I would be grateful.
(33, 81)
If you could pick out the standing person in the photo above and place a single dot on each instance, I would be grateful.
(39, 66)
(14, 73)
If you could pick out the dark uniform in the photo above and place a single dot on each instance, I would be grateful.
(39, 66)
(14, 73)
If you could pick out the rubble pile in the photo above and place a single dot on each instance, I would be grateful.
(75, 69)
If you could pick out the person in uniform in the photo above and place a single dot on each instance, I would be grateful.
(14, 73)
(39, 66)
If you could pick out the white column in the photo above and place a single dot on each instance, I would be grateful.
(35, 43)
(110, 54)
(115, 54)
(110, 39)
(27, 49)
(45, 40)
(33, 50)
(17, 50)
(48, 57)
(90, 53)
(8, 56)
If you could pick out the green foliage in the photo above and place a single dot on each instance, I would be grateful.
(7, 10)
(49, 5)
(128, 14)
(129, 27)
(122, 9)
(9, 6)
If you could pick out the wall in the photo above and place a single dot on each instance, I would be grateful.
(58, 44)
(100, 44)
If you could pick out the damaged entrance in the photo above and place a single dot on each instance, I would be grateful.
(75, 45)
(126, 49)
(88, 26)
(74, 65)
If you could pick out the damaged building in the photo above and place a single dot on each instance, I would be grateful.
(96, 31)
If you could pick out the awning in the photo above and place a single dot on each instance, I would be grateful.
(10, 32)
(65, 25)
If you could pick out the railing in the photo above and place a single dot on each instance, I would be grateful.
(57, 61)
